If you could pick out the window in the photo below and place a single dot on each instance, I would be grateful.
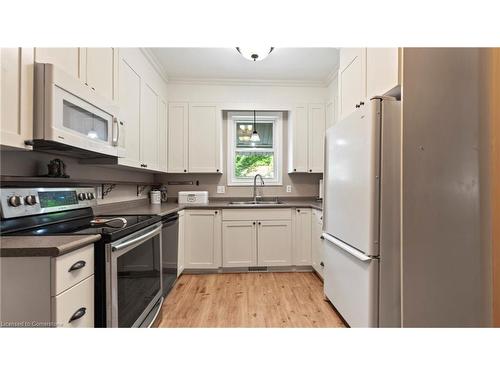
(247, 158)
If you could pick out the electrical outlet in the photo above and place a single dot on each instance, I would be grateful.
(221, 189)
(288, 188)
(99, 192)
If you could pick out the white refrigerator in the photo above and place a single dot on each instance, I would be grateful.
(361, 231)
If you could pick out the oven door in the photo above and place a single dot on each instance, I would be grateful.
(133, 277)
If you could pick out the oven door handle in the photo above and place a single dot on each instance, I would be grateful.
(138, 240)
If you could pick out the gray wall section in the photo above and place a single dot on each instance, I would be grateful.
(444, 266)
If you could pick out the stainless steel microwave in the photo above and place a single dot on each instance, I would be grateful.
(72, 118)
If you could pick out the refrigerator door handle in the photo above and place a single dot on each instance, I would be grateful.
(351, 250)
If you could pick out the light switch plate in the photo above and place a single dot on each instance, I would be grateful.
(221, 189)
(288, 188)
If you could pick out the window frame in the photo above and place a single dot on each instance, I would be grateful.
(277, 119)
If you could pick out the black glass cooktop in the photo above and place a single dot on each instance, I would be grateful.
(77, 222)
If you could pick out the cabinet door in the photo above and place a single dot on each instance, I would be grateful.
(302, 237)
(202, 239)
(130, 109)
(317, 242)
(274, 243)
(382, 70)
(353, 84)
(204, 139)
(163, 141)
(16, 96)
(149, 127)
(181, 246)
(69, 59)
(177, 137)
(316, 138)
(239, 243)
(298, 140)
(100, 69)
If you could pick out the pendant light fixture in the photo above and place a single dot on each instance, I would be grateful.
(255, 136)
(255, 54)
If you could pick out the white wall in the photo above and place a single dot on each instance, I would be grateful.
(270, 97)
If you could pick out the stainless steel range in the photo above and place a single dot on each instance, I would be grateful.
(128, 258)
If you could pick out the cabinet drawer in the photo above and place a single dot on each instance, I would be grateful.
(70, 269)
(74, 308)
(257, 214)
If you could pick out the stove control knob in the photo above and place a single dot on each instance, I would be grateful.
(30, 200)
(15, 201)
(82, 196)
(90, 196)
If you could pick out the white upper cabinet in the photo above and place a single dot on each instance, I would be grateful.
(382, 70)
(194, 136)
(101, 65)
(130, 110)
(306, 139)
(298, 135)
(16, 97)
(143, 112)
(177, 137)
(365, 73)
(204, 139)
(70, 60)
(95, 67)
(163, 134)
(352, 79)
(316, 137)
(149, 128)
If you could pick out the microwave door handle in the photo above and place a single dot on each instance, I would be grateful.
(116, 131)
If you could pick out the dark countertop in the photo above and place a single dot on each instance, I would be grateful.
(43, 246)
(145, 208)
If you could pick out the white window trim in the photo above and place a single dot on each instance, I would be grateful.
(277, 119)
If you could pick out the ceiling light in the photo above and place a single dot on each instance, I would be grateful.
(255, 54)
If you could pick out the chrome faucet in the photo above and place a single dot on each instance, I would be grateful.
(255, 186)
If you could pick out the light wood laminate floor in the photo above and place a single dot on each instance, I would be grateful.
(276, 299)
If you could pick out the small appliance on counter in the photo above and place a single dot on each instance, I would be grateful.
(193, 197)
(155, 196)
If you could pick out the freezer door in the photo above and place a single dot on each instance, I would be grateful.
(351, 283)
(352, 179)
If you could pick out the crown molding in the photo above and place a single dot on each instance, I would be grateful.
(157, 65)
(246, 82)
(332, 75)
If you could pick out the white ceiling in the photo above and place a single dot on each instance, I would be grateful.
(283, 64)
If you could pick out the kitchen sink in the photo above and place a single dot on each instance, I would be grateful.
(254, 203)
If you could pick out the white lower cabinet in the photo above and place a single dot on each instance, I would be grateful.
(257, 237)
(202, 239)
(74, 308)
(49, 292)
(316, 242)
(239, 243)
(302, 237)
(274, 243)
